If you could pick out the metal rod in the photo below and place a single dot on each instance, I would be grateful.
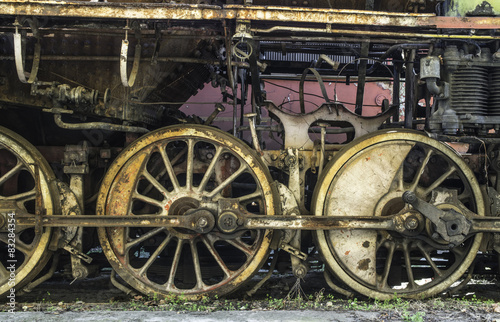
(360, 93)
(410, 101)
(371, 33)
(98, 126)
(479, 224)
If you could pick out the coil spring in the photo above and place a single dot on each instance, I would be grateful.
(494, 99)
(469, 91)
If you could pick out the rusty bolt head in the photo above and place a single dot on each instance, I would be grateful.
(409, 197)
(290, 160)
(411, 223)
(300, 271)
(202, 223)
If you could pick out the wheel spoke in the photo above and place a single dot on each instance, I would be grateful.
(255, 195)
(420, 170)
(409, 271)
(399, 178)
(24, 248)
(21, 197)
(216, 256)
(210, 169)
(11, 172)
(155, 255)
(459, 251)
(387, 266)
(148, 200)
(437, 271)
(241, 246)
(144, 237)
(170, 170)
(226, 182)
(175, 264)
(439, 180)
(197, 265)
(155, 184)
(190, 165)
(4, 273)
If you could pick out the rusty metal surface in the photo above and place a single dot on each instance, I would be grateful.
(187, 174)
(369, 177)
(235, 12)
(31, 252)
(297, 126)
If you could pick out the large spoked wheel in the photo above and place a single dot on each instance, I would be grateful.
(368, 178)
(18, 161)
(179, 170)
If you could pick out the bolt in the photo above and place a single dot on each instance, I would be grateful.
(411, 223)
(300, 272)
(409, 197)
(228, 221)
(202, 223)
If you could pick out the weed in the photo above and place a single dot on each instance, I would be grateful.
(417, 317)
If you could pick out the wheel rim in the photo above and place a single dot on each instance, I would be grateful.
(368, 178)
(18, 194)
(173, 171)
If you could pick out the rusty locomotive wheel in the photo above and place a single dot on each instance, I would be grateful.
(22, 249)
(182, 170)
(368, 178)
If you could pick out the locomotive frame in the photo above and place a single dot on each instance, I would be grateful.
(393, 210)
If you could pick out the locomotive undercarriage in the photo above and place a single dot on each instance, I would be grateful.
(179, 206)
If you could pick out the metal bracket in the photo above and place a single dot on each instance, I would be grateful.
(19, 52)
(128, 81)
(293, 251)
(75, 252)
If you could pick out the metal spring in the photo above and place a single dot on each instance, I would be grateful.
(469, 91)
(494, 98)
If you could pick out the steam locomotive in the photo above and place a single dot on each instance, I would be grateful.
(101, 168)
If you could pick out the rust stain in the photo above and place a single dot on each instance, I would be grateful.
(347, 253)
(363, 264)
(367, 159)
(167, 206)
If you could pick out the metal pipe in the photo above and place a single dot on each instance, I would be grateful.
(334, 287)
(255, 139)
(55, 261)
(120, 286)
(410, 101)
(370, 33)
(117, 58)
(98, 126)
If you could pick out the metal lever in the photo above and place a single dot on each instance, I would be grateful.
(450, 224)
(218, 108)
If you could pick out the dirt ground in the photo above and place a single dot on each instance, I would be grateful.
(278, 300)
